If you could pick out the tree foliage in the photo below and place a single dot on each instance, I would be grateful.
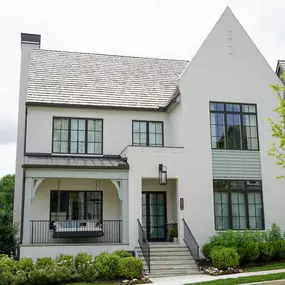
(8, 230)
(277, 148)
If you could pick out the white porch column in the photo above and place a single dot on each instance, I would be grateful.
(29, 184)
(125, 210)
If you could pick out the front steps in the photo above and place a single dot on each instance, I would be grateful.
(169, 259)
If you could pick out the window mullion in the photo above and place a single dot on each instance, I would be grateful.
(86, 135)
(147, 133)
(241, 128)
(69, 135)
(230, 210)
(246, 209)
(226, 127)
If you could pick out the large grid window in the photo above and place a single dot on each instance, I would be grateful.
(238, 204)
(147, 133)
(77, 136)
(76, 205)
(234, 126)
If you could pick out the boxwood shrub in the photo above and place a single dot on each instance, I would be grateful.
(130, 267)
(224, 257)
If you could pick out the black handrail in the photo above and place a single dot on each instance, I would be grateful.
(144, 245)
(191, 243)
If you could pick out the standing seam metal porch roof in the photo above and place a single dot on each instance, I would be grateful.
(74, 78)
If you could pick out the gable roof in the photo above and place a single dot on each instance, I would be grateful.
(86, 79)
(280, 68)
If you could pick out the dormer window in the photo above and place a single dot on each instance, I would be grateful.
(147, 133)
(77, 136)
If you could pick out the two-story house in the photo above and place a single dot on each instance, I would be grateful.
(113, 152)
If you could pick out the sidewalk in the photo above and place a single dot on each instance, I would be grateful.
(203, 277)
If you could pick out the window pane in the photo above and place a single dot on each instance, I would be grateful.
(212, 106)
(56, 146)
(91, 125)
(81, 136)
(253, 120)
(57, 124)
(73, 135)
(98, 148)
(151, 127)
(252, 108)
(142, 127)
(136, 138)
(98, 137)
(98, 125)
(143, 139)
(64, 136)
(64, 124)
(64, 147)
(74, 124)
(136, 127)
(81, 124)
(221, 210)
(159, 139)
(229, 107)
(73, 147)
(151, 139)
(91, 137)
(159, 128)
(91, 148)
(254, 144)
(245, 108)
(236, 108)
(56, 135)
(81, 147)
(253, 184)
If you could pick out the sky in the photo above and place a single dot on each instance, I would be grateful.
(150, 28)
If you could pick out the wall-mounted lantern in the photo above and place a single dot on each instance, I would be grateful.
(162, 174)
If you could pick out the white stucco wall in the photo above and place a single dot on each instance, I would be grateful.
(41, 202)
(117, 126)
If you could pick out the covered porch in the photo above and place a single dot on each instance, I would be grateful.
(82, 206)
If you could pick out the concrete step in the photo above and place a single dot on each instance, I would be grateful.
(169, 273)
(166, 248)
(186, 257)
(171, 261)
(167, 254)
(159, 267)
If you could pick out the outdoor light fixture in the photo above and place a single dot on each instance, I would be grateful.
(162, 174)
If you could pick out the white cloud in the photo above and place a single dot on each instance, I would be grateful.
(161, 28)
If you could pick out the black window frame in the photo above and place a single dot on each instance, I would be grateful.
(85, 205)
(246, 190)
(69, 136)
(241, 113)
(147, 132)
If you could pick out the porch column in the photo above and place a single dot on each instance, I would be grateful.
(27, 210)
(125, 210)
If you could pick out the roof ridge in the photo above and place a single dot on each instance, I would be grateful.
(116, 55)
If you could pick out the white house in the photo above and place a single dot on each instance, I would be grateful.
(98, 134)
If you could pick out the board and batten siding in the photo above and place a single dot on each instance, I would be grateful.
(236, 164)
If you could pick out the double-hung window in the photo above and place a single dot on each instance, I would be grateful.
(238, 204)
(77, 136)
(234, 126)
(147, 133)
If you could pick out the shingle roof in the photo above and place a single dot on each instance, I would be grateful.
(73, 78)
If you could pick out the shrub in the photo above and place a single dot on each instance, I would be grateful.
(130, 267)
(43, 262)
(206, 250)
(267, 250)
(248, 252)
(107, 265)
(122, 253)
(274, 233)
(86, 268)
(25, 264)
(82, 259)
(223, 257)
(279, 249)
(67, 260)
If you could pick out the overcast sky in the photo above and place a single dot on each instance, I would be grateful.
(167, 29)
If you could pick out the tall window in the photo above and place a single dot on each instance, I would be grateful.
(147, 133)
(238, 204)
(78, 136)
(76, 205)
(234, 126)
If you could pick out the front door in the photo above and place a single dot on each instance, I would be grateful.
(154, 215)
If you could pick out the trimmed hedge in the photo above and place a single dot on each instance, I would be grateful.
(224, 257)
(67, 268)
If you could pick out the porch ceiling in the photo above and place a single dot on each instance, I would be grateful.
(104, 162)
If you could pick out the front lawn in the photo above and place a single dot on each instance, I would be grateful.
(243, 280)
(274, 266)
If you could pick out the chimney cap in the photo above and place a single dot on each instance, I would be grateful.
(30, 39)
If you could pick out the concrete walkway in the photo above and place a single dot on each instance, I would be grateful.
(203, 277)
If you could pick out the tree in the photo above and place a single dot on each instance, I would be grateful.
(277, 149)
(8, 230)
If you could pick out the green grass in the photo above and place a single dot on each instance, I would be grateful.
(279, 265)
(89, 283)
(242, 280)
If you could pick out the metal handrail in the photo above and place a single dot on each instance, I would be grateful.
(191, 243)
(144, 245)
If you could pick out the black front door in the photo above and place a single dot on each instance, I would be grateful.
(154, 215)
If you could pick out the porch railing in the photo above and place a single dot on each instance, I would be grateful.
(191, 243)
(45, 232)
(144, 245)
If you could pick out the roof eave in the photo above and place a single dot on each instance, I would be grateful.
(45, 104)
